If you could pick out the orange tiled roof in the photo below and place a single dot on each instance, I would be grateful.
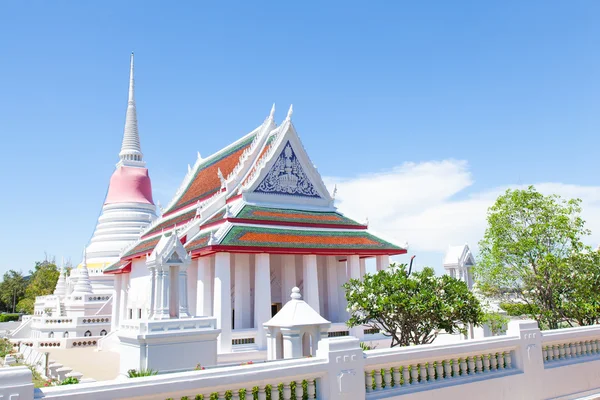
(206, 182)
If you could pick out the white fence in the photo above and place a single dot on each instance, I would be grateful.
(525, 364)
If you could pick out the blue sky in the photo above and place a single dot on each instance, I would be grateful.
(434, 107)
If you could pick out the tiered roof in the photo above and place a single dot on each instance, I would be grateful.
(212, 213)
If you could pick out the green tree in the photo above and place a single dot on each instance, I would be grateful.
(12, 289)
(581, 297)
(411, 309)
(25, 306)
(43, 280)
(529, 251)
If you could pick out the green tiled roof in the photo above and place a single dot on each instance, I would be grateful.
(116, 266)
(217, 217)
(290, 238)
(294, 216)
(169, 222)
(198, 242)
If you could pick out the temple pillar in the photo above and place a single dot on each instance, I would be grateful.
(363, 267)
(342, 277)
(332, 288)
(288, 276)
(292, 345)
(152, 291)
(204, 288)
(311, 282)
(116, 303)
(262, 297)
(354, 268)
(222, 300)
(192, 278)
(242, 316)
(123, 313)
(383, 262)
(163, 289)
(183, 295)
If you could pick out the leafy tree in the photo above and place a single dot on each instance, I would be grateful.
(414, 308)
(581, 297)
(43, 280)
(12, 289)
(25, 306)
(530, 255)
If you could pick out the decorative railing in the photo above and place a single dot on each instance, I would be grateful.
(409, 367)
(98, 298)
(243, 336)
(562, 346)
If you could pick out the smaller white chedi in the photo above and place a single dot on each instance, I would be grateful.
(73, 316)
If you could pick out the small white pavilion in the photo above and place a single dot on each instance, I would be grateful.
(459, 263)
(295, 330)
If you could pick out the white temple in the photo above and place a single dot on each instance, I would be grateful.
(459, 263)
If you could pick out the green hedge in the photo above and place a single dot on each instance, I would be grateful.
(9, 317)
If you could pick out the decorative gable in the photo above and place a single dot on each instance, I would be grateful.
(287, 177)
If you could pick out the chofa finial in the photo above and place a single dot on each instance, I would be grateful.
(334, 191)
(290, 112)
(272, 114)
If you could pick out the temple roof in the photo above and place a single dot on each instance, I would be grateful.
(294, 240)
(205, 181)
(290, 217)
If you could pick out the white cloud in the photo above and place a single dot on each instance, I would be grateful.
(417, 203)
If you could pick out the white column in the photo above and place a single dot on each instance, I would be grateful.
(288, 276)
(333, 288)
(311, 282)
(204, 288)
(242, 292)
(292, 345)
(354, 267)
(192, 278)
(342, 277)
(262, 297)
(116, 303)
(383, 262)
(152, 291)
(183, 295)
(163, 289)
(363, 267)
(222, 300)
(123, 313)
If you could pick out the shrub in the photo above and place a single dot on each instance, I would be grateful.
(134, 373)
(9, 317)
(6, 347)
(70, 381)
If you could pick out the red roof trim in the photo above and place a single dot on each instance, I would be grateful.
(123, 270)
(281, 250)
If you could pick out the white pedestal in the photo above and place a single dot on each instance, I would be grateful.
(170, 345)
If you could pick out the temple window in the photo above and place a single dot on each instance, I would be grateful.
(87, 334)
(103, 332)
(66, 334)
(139, 313)
(130, 313)
(51, 335)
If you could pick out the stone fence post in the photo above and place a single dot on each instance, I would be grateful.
(346, 369)
(528, 356)
(16, 383)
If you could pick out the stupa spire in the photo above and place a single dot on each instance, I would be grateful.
(131, 150)
(83, 285)
(61, 284)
